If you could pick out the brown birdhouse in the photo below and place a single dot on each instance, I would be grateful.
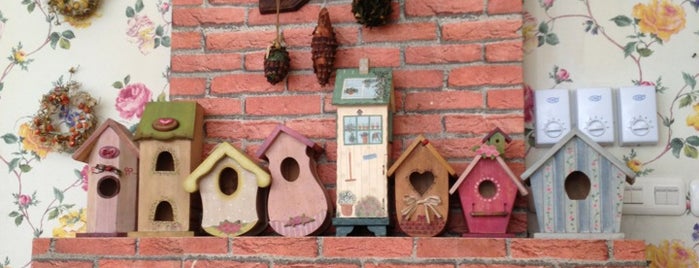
(323, 47)
(112, 180)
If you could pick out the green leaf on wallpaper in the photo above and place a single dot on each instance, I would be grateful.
(1, 86)
(686, 100)
(68, 34)
(629, 48)
(10, 138)
(13, 164)
(165, 41)
(14, 214)
(64, 43)
(54, 39)
(676, 144)
(25, 168)
(552, 39)
(541, 40)
(58, 194)
(689, 80)
(31, 7)
(117, 85)
(697, 32)
(18, 220)
(690, 151)
(622, 20)
(139, 5)
(53, 214)
(159, 30)
(156, 42)
(130, 12)
(77, 173)
(644, 52)
(693, 140)
(543, 27)
(38, 233)
(127, 79)
(667, 121)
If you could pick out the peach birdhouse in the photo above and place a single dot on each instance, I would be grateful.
(112, 180)
(230, 187)
(421, 178)
(170, 141)
(488, 188)
(298, 204)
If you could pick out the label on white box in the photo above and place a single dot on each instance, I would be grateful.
(595, 113)
(638, 122)
(552, 111)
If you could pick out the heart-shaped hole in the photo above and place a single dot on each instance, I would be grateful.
(421, 181)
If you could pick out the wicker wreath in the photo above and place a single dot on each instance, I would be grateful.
(65, 119)
(77, 9)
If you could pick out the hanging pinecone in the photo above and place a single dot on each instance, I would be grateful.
(323, 46)
(277, 63)
(372, 13)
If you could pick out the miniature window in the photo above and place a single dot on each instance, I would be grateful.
(487, 189)
(421, 181)
(108, 187)
(577, 186)
(363, 129)
(228, 181)
(163, 212)
(290, 169)
(165, 162)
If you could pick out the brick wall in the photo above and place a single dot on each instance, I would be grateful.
(388, 252)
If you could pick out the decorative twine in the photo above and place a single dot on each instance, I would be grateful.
(278, 41)
(99, 168)
(430, 203)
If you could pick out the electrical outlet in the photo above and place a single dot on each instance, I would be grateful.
(655, 196)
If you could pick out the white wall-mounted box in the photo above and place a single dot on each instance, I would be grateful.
(694, 197)
(655, 196)
(638, 122)
(552, 112)
(594, 113)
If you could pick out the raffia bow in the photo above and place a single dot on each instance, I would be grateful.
(412, 202)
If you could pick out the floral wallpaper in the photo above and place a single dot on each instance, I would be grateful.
(117, 54)
(595, 43)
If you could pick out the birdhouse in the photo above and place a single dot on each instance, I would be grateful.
(298, 204)
(578, 189)
(112, 180)
(229, 184)
(487, 189)
(170, 137)
(364, 101)
(421, 178)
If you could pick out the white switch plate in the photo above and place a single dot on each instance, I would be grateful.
(595, 113)
(552, 111)
(655, 196)
(637, 115)
(694, 196)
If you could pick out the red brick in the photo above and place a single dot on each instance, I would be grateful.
(378, 57)
(441, 7)
(311, 264)
(221, 106)
(300, 60)
(456, 222)
(223, 264)
(559, 249)
(515, 150)
(340, 13)
(504, 51)
(57, 263)
(277, 246)
(518, 222)
(187, 2)
(456, 147)
(629, 250)
(504, 6)
(418, 78)
(481, 30)
(308, 83)
(417, 124)
(254, 61)
(331, 151)
(206, 62)
(107, 263)
(315, 128)
(187, 86)
(506, 266)
(238, 129)
(443, 100)
(372, 247)
(221, 2)
(505, 98)
(401, 32)
(186, 40)
(207, 16)
(238, 40)
(394, 265)
(439, 54)
(328, 106)
(240, 83)
(460, 248)
(181, 245)
(481, 124)
(41, 246)
(298, 36)
(96, 246)
(485, 75)
(306, 14)
(327, 173)
(283, 105)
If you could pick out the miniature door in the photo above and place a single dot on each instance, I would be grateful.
(298, 204)
(230, 186)
(421, 178)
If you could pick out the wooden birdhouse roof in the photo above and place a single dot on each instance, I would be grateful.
(421, 141)
(224, 149)
(355, 88)
(83, 152)
(576, 134)
(520, 186)
(182, 113)
(316, 149)
(495, 131)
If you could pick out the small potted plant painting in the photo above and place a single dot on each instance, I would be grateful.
(346, 200)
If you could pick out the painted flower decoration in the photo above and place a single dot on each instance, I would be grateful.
(695, 234)
(660, 17)
(671, 253)
(24, 200)
(693, 119)
(31, 141)
(228, 227)
(529, 32)
(635, 165)
(487, 150)
(71, 223)
(141, 31)
(84, 177)
(132, 100)
(560, 75)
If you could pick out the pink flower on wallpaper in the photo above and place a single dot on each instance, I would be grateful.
(24, 200)
(646, 83)
(528, 104)
(141, 31)
(83, 175)
(547, 3)
(132, 100)
(562, 75)
(164, 6)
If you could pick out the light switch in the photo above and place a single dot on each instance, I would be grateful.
(595, 113)
(637, 115)
(655, 196)
(633, 194)
(552, 111)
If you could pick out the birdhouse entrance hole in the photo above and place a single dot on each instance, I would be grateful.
(487, 189)
(228, 181)
(290, 169)
(165, 162)
(577, 186)
(421, 181)
(108, 187)
(163, 212)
